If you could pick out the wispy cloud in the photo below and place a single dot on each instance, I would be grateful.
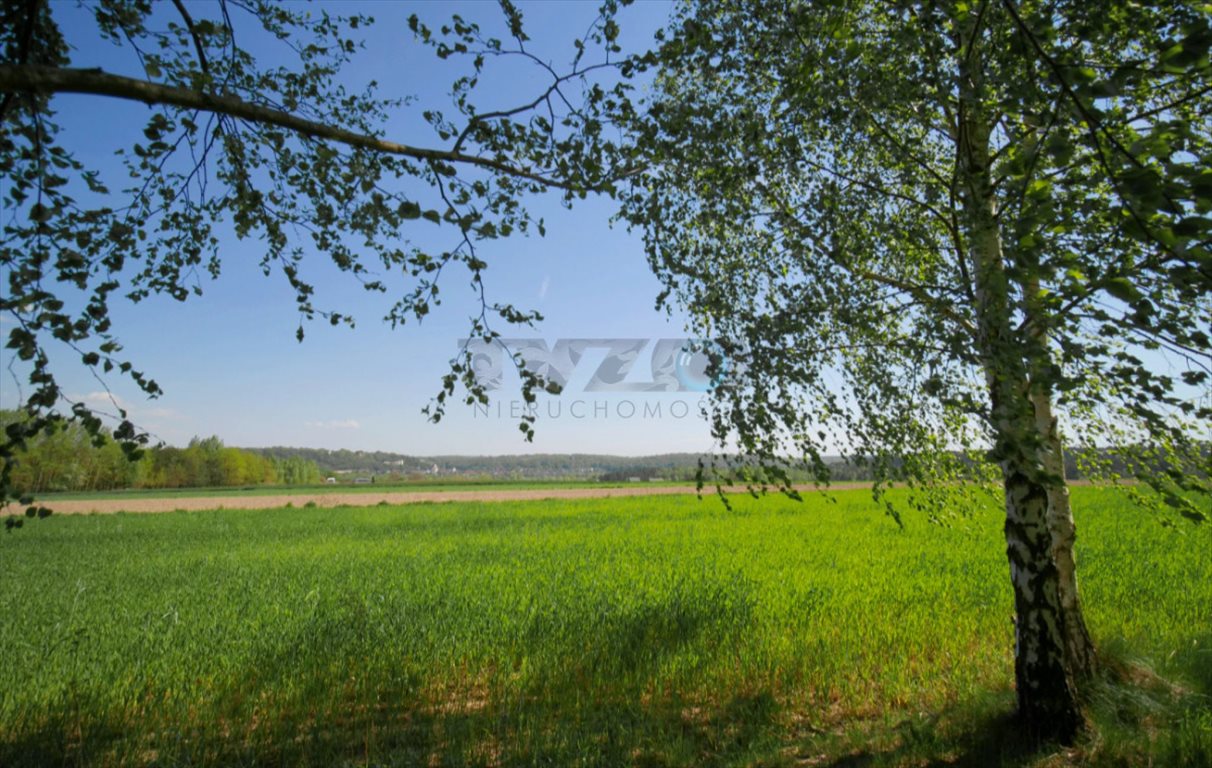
(161, 422)
(102, 399)
(544, 286)
(333, 424)
(107, 402)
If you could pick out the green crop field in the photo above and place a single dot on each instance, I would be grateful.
(642, 631)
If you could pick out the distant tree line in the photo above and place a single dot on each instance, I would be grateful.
(343, 460)
(1080, 464)
(69, 459)
(208, 463)
(525, 466)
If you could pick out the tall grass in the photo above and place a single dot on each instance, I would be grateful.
(657, 631)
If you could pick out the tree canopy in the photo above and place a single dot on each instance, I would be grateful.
(915, 226)
(285, 154)
(805, 199)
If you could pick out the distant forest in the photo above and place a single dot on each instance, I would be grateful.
(571, 466)
(580, 466)
(68, 460)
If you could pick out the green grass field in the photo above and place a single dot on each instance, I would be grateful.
(660, 631)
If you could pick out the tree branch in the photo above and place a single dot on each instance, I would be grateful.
(27, 34)
(49, 80)
(483, 117)
(193, 33)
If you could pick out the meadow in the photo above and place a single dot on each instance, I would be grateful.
(662, 631)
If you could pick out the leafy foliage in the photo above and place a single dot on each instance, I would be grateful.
(287, 156)
(806, 197)
(68, 459)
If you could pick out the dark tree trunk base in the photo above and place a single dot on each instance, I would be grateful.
(1044, 675)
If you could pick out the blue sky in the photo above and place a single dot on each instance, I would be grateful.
(229, 363)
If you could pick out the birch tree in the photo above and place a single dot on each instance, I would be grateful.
(947, 238)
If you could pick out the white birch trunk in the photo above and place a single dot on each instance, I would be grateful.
(1044, 679)
(1079, 648)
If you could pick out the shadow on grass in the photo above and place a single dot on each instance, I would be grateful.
(307, 700)
(601, 722)
(957, 738)
(619, 733)
(1136, 717)
(740, 729)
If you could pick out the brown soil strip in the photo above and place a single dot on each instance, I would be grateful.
(366, 499)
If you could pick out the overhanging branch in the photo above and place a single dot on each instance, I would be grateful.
(50, 80)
